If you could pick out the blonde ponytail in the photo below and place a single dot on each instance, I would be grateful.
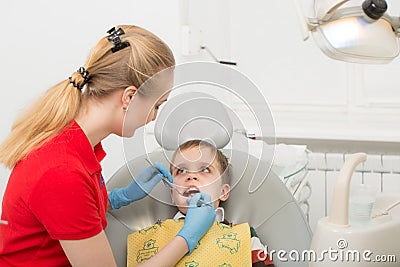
(107, 71)
(48, 116)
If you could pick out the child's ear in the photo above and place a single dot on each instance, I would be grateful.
(225, 192)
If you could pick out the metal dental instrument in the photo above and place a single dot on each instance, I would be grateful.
(165, 180)
(171, 185)
(3, 222)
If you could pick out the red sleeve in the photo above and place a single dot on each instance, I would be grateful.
(259, 259)
(258, 256)
(64, 202)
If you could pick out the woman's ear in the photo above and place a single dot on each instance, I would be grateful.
(128, 95)
(225, 192)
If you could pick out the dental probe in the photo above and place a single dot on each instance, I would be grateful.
(171, 185)
(165, 180)
(3, 222)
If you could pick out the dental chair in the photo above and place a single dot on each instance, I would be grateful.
(270, 208)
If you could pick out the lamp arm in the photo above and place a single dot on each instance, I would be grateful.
(395, 21)
(326, 11)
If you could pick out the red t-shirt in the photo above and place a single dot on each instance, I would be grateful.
(55, 193)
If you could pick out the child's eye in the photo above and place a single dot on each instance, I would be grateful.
(180, 171)
(205, 169)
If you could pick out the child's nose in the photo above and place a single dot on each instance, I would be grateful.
(192, 176)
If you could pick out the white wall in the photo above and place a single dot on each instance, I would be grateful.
(311, 95)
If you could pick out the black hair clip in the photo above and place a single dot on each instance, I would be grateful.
(114, 37)
(76, 85)
(85, 74)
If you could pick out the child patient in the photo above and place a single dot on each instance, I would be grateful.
(197, 166)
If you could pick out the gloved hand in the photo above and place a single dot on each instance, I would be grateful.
(198, 220)
(141, 185)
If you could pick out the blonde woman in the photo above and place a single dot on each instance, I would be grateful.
(55, 202)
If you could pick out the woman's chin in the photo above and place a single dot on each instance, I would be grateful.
(127, 134)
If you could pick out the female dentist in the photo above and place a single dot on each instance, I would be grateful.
(55, 202)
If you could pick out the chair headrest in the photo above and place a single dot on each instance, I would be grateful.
(193, 115)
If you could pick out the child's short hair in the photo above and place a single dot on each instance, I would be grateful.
(224, 166)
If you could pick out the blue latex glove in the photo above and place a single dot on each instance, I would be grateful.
(198, 220)
(141, 185)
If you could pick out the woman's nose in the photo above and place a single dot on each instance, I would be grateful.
(155, 115)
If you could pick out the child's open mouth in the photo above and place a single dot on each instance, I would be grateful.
(191, 192)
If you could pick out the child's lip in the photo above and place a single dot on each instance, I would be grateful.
(191, 190)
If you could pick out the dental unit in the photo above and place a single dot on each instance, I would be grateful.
(358, 229)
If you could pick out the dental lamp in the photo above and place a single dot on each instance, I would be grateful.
(357, 34)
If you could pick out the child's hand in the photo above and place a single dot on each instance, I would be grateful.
(198, 220)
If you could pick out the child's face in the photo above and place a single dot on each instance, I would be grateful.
(196, 170)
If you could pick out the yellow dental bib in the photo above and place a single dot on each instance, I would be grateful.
(221, 246)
